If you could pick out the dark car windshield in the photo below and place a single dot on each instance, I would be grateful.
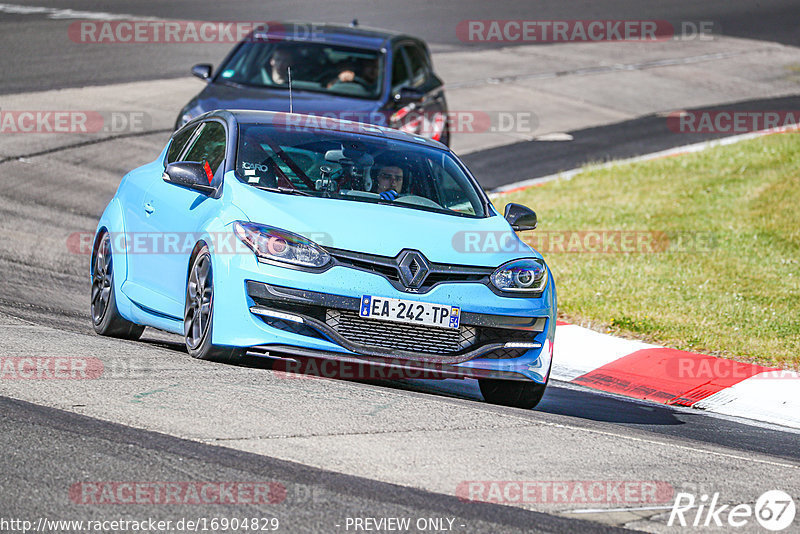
(314, 67)
(348, 166)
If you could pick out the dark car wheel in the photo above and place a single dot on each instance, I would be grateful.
(517, 394)
(199, 311)
(105, 317)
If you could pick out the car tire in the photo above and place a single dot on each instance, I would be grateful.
(103, 301)
(199, 312)
(514, 393)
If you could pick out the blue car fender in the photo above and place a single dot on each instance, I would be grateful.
(229, 290)
(113, 222)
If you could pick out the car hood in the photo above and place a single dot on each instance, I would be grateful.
(221, 96)
(384, 230)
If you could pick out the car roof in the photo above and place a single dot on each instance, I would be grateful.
(312, 122)
(312, 32)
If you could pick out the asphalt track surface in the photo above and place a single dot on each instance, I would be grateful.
(37, 53)
(314, 499)
(42, 284)
(643, 135)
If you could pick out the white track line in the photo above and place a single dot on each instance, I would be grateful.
(685, 149)
(62, 14)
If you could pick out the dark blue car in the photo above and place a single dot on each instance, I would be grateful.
(341, 72)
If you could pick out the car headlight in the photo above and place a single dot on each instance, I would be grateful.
(275, 245)
(527, 275)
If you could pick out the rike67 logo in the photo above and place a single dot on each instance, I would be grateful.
(774, 510)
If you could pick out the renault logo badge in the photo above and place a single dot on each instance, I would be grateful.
(413, 268)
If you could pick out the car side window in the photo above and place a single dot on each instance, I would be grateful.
(419, 66)
(178, 144)
(399, 70)
(208, 146)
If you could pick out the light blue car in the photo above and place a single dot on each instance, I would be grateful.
(280, 236)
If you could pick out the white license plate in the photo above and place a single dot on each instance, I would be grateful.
(410, 311)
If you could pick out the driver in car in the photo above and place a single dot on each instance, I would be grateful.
(282, 58)
(390, 182)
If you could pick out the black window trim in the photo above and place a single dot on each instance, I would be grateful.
(426, 57)
(200, 132)
(398, 50)
(190, 125)
(199, 128)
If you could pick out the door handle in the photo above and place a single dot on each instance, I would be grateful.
(148, 208)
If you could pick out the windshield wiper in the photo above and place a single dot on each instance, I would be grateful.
(284, 190)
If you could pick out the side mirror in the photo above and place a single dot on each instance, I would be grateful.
(191, 175)
(406, 95)
(202, 71)
(520, 217)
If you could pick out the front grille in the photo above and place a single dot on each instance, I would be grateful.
(388, 268)
(443, 277)
(412, 338)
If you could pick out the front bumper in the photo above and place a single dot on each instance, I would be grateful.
(278, 320)
(322, 315)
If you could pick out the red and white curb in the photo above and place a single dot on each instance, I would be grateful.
(674, 377)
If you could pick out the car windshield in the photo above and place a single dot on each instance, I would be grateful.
(360, 168)
(314, 67)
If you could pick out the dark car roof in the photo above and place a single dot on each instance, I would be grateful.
(330, 33)
(273, 117)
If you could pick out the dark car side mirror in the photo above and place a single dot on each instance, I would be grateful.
(520, 217)
(191, 175)
(202, 71)
(406, 95)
